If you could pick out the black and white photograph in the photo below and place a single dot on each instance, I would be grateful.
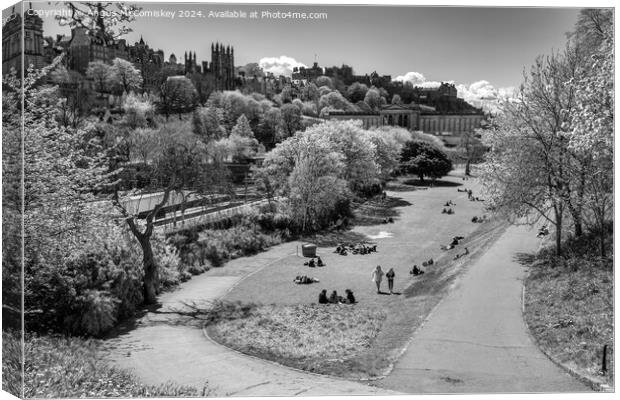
(307, 199)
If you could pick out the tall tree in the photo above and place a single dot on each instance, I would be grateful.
(178, 95)
(176, 168)
(99, 72)
(124, 74)
(290, 121)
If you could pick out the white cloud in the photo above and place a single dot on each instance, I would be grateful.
(282, 65)
(414, 77)
(419, 80)
(484, 94)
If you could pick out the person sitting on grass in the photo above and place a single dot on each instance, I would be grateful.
(416, 271)
(304, 280)
(444, 211)
(323, 297)
(350, 297)
(333, 298)
(311, 263)
(319, 262)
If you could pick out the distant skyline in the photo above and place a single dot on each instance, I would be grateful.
(466, 45)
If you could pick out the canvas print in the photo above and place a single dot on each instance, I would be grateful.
(212, 200)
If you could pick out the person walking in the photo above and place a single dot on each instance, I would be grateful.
(390, 277)
(377, 277)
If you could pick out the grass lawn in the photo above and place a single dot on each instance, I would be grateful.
(569, 309)
(306, 335)
(415, 236)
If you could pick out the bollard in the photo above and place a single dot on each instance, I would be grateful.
(604, 361)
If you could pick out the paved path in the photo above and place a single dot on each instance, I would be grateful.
(161, 346)
(476, 341)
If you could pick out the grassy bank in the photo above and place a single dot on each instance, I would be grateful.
(70, 367)
(569, 307)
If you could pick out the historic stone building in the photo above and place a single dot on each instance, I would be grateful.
(414, 117)
(344, 74)
(220, 71)
(34, 45)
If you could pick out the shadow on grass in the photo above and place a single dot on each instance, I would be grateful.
(334, 238)
(376, 212)
(428, 183)
(525, 259)
(399, 187)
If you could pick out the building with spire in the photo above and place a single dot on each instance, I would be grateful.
(220, 71)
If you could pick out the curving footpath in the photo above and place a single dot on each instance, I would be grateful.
(476, 340)
(164, 346)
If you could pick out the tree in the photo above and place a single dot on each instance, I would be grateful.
(424, 159)
(99, 17)
(290, 121)
(123, 73)
(204, 87)
(242, 128)
(373, 99)
(207, 124)
(324, 81)
(356, 92)
(396, 99)
(99, 72)
(335, 101)
(470, 149)
(177, 94)
(389, 142)
(54, 203)
(591, 137)
(139, 111)
(176, 167)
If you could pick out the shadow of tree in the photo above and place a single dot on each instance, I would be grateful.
(376, 212)
(429, 183)
(333, 238)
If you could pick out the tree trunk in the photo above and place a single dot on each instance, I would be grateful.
(558, 232)
(421, 176)
(468, 167)
(151, 277)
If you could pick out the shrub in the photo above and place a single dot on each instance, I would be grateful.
(96, 286)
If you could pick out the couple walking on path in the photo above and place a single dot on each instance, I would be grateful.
(377, 277)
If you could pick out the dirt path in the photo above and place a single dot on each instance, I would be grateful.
(476, 341)
(162, 346)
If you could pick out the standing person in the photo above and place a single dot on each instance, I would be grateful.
(377, 276)
(390, 277)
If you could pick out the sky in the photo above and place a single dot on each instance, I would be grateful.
(477, 48)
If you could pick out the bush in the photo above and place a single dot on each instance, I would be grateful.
(71, 367)
(97, 286)
(220, 245)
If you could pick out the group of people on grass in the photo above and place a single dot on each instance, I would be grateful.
(334, 298)
(359, 248)
(312, 264)
(479, 220)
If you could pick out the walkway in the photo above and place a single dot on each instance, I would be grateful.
(476, 341)
(162, 346)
